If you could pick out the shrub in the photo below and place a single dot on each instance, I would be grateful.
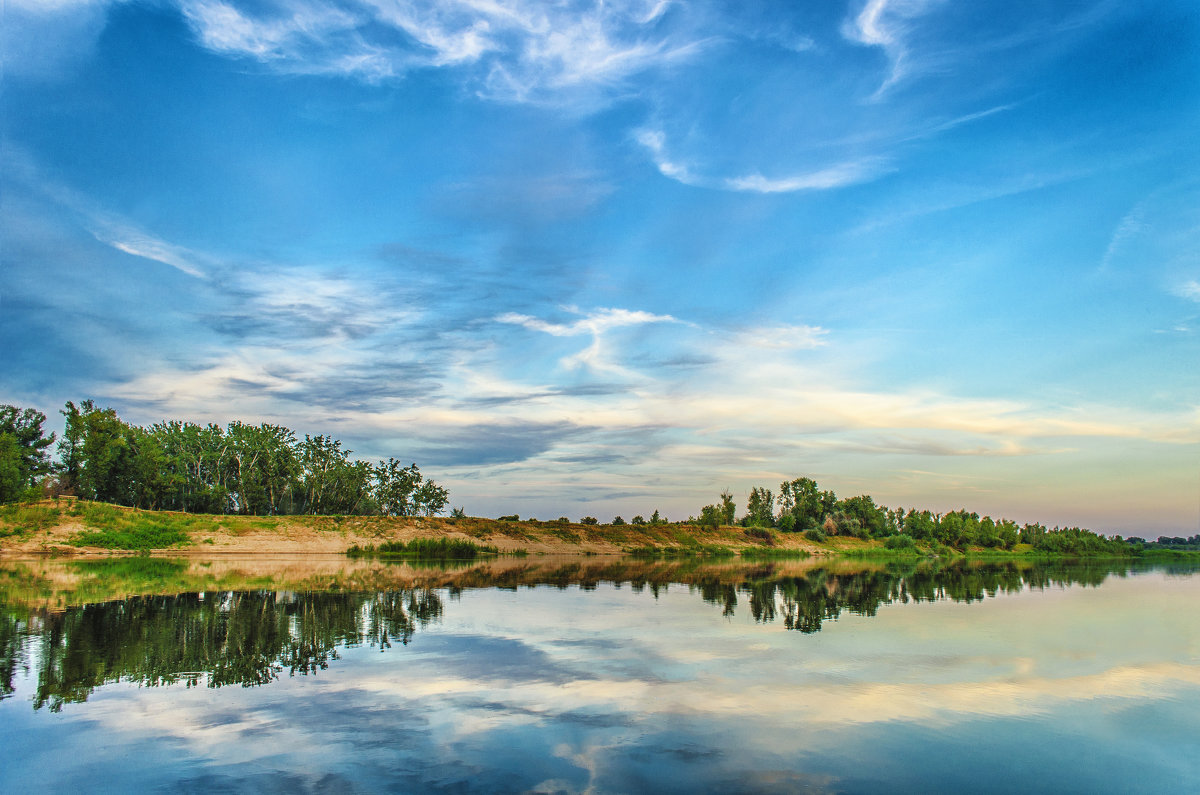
(513, 518)
(588, 520)
(815, 534)
(901, 541)
(618, 520)
(760, 534)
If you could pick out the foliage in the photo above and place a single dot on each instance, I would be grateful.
(23, 451)
(618, 521)
(25, 518)
(815, 534)
(901, 541)
(239, 469)
(760, 534)
(111, 527)
(760, 508)
(589, 520)
(711, 517)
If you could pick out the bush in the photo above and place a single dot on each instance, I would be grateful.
(513, 518)
(901, 541)
(618, 520)
(760, 534)
(815, 534)
(588, 520)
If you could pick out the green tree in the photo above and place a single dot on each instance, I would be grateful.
(760, 508)
(728, 508)
(800, 500)
(26, 448)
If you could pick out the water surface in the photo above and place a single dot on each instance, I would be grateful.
(598, 675)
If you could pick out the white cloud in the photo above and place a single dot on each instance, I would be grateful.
(107, 227)
(596, 356)
(515, 51)
(1189, 290)
(885, 24)
(835, 176)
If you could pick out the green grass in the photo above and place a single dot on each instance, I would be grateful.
(115, 528)
(424, 549)
(18, 519)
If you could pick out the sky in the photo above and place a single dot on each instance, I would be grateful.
(598, 258)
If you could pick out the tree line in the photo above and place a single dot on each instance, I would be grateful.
(259, 469)
(802, 506)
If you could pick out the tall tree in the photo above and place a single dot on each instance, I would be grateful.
(24, 450)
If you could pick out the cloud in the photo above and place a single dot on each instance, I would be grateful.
(514, 52)
(1189, 290)
(886, 24)
(596, 356)
(43, 39)
(836, 176)
(106, 227)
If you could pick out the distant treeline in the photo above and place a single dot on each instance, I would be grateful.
(1168, 542)
(183, 466)
(802, 506)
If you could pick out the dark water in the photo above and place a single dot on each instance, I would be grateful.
(600, 677)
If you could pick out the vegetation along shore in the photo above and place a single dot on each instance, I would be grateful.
(187, 487)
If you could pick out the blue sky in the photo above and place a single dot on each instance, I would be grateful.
(598, 258)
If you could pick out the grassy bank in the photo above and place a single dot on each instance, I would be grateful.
(70, 526)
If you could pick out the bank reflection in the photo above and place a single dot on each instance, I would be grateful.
(217, 638)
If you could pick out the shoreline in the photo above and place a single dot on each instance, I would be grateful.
(71, 528)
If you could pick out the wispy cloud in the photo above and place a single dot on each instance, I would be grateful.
(105, 226)
(515, 51)
(1189, 290)
(835, 176)
(883, 24)
(596, 356)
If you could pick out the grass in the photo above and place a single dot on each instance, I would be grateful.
(111, 527)
(22, 518)
(424, 549)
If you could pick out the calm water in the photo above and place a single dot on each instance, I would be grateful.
(574, 676)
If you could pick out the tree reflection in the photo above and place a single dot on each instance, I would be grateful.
(224, 638)
(820, 594)
(251, 637)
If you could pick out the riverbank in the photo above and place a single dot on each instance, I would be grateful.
(79, 528)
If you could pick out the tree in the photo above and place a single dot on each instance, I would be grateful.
(760, 508)
(430, 498)
(728, 509)
(800, 500)
(711, 516)
(12, 474)
(395, 487)
(25, 449)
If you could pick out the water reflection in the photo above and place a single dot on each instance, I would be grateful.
(593, 675)
(249, 638)
(224, 638)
